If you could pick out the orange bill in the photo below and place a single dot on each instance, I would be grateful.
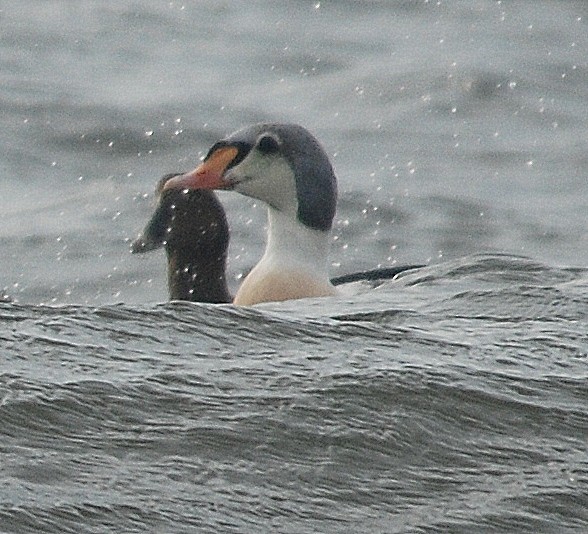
(208, 175)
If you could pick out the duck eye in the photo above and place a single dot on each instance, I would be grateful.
(268, 145)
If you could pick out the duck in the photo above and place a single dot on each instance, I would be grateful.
(284, 166)
(193, 229)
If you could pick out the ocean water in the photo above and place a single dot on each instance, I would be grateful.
(453, 399)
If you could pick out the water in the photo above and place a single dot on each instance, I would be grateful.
(451, 400)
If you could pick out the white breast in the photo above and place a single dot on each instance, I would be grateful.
(276, 286)
(293, 266)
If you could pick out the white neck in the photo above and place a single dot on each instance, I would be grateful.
(290, 243)
(294, 264)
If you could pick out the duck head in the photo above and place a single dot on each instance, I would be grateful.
(282, 165)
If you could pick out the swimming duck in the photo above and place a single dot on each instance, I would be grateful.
(193, 228)
(284, 166)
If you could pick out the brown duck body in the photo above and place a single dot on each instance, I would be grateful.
(193, 228)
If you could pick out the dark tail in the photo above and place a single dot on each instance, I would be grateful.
(386, 273)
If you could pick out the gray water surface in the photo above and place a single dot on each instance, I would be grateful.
(453, 399)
